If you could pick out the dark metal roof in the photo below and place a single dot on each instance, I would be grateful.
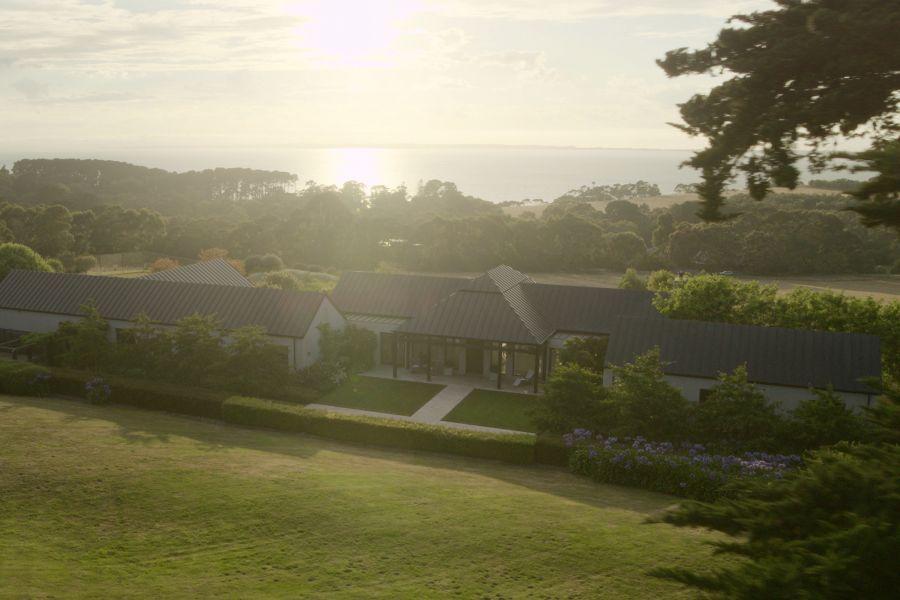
(213, 272)
(391, 294)
(790, 357)
(499, 279)
(472, 315)
(165, 302)
(587, 309)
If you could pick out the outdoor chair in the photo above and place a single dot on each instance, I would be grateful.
(527, 379)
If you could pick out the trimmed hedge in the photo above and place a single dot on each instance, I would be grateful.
(143, 394)
(381, 432)
(23, 378)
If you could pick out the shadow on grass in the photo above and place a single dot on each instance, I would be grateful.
(214, 436)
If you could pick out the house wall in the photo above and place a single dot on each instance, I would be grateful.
(308, 348)
(302, 352)
(787, 397)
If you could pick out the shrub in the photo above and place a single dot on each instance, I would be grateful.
(263, 264)
(683, 470)
(824, 420)
(572, 398)
(352, 348)
(83, 264)
(586, 351)
(97, 391)
(23, 379)
(736, 416)
(163, 264)
(828, 530)
(632, 281)
(152, 395)
(642, 403)
(282, 280)
(56, 265)
(380, 432)
(212, 254)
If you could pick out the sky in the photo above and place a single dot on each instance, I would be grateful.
(108, 74)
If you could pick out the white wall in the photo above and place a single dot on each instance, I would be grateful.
(308, 348)
(787, 397)
(33, 322)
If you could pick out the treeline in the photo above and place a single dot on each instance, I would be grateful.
(81, 184)
(437, 227)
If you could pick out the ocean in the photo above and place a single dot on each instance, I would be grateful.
(497, 174)
(494, 173)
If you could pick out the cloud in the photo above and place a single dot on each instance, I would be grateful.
(575, 10)
(31, 89)
(526, 64)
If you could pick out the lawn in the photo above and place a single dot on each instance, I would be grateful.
(496, 409)
(117, 502)
(382, 395)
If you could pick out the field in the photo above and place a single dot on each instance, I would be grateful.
(117, 502)
(493, 408)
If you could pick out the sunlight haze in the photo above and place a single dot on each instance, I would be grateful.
(81, 74)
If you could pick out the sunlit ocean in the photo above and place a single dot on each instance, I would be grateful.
(492, 173)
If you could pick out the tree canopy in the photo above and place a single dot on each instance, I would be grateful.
(808, 72)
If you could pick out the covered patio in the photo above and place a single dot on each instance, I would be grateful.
(482, 364)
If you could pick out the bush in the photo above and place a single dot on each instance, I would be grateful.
(351, 348)
(56, 265)
(97, 391)
(83, 264)
(263, 264)
(829, 530)
(685, 470)
(152, 395)
(23, 379)
(642, 403)
(824, 420)
(586, 351)
(736, 416)
(572, 398)
(632, 281)
(380, 432)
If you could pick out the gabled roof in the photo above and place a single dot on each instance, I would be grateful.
(777, 356)
(213, 272)
(491, 307)
(391, 294)
(165, 302)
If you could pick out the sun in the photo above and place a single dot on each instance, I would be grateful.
(354, 33)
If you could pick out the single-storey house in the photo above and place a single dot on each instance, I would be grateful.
(784, 363)
(33, 301)
(505, 327)
(499, 325)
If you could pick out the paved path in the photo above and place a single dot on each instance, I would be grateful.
(372, 413)
(442, 403)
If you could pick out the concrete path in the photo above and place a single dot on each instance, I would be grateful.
(372, 413)
(442, 403)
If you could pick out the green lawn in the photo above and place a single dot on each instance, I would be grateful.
(382, 395)
(117, 502)
(496, 409)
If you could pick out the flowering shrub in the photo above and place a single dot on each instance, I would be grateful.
(97, 391)
(40, 383)
(683, 470)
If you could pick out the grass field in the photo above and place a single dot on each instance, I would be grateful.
(382, 395)
(493, 408)
(116, 502)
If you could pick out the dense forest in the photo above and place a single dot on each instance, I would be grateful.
(67, 208)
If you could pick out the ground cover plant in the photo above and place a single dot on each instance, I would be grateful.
(493, 408)
(382, 395)
(157, 505)
(682, 469)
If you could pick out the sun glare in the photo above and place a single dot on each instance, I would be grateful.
(354, 33)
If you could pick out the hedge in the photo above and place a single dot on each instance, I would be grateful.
(143, 394)
(407, 435)
(23, 378)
